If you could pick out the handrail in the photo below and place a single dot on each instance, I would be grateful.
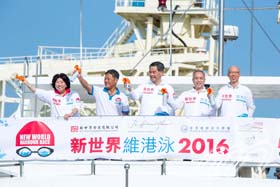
(72, 54)
(115, 36)
(18, 59)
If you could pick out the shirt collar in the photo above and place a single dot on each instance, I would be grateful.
(107, 91)
(230, 86)
(194, 90)
(161, 83)
(67, 91)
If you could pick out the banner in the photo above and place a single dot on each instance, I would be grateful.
(141, 138)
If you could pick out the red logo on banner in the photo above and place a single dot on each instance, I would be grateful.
(74, 128)
(35, 133)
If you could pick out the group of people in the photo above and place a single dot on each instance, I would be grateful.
(156, 96)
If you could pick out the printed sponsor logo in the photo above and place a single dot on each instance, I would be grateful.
(94, 128)
(203, 128)
(251, 127)
(35, 137)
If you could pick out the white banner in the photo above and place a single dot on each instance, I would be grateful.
(141, 138)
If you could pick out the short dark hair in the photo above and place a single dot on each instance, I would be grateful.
(64, 77)
(159, 65)
(113, 72)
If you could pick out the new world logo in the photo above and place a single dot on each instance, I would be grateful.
(35, 137)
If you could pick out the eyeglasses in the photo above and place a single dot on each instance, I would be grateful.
(42, 151)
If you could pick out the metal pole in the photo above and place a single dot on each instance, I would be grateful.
(126, 167)
(21, 164)
(163, 167)
(92, 168)
(170, 35)
(221, 38)
(38, 62)
(252, 39)
(81, 32)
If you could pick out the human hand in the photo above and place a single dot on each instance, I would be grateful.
(126, 83)
(209, 91)
(77, 71)
(67, 116)
(210, 95)
(77, 68)
(20, 78)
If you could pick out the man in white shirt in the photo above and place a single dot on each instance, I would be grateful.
(156, 96)
(197, 101)
(109, 99)
(234, 99)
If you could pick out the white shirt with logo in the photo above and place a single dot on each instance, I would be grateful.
(235, 102)
(152, 99)
(195, 103)
(60, 105)
(110, 105)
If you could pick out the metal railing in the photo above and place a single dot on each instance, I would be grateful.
(115, 37)
(18, 59)
(73, 53)
(210, 6)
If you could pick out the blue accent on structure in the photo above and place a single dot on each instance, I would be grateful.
(138, 3)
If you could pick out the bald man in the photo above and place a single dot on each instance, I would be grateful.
(234, 99)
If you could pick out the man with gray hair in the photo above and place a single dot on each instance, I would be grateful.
(197, 101)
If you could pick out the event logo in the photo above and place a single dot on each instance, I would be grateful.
(3, 122)
(94, 128)
(251, 127)
(2, 154)
(35, 137)
(203, 128)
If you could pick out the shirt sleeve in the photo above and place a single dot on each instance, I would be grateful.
(179, 103)
(250, 104)
(76, 101)
(170, 99)
(44, 96)
(137, 93)
(218, 99)
(213, 111)
(92, 90)
(125, 105)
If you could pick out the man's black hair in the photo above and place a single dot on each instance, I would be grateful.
(159, 65)
(114, 73)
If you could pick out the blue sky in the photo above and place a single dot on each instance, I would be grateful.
(24, 25)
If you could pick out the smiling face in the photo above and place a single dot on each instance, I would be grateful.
(233, 74)
(198, 80)
(60, 86)
(110, 81)
(155, 75)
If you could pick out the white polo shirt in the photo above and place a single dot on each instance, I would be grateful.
(151, 98)
(235, 102)
(110, 105)
(60, 105)
(195, 103)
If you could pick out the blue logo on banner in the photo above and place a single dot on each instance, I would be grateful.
(2, 154)
(3, 123)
